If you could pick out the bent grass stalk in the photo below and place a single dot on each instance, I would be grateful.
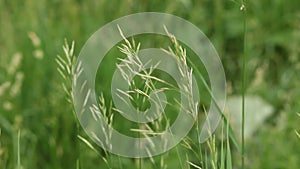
(211, 143)
(65, 67)
(68, 72)
(180, 55)
(132, 60)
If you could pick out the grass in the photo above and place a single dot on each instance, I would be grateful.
(19, 158)
(33, 102)
(243, 8)
(65, 68)
(296, 131)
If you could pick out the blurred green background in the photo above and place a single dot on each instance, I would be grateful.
(32, 33)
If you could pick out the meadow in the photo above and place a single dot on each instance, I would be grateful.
(259, 50)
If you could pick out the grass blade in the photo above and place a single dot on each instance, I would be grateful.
(194, 165)
(228, 155)
(222, 148)
(297, 134)
(18, 150)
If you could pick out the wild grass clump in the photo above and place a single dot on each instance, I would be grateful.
(189, 153)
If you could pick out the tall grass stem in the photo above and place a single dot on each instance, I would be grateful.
(244, 10)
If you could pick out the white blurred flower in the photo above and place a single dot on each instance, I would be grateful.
(38, 54)
(7, 106)
(34, 39)
(3, 87)
(15, 89)
(242, 7)
(15, 62)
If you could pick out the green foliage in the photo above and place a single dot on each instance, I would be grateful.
(33, 102)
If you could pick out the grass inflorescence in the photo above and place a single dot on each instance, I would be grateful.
(207, 158)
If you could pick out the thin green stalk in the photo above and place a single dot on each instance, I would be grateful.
(19, 157)
(219, 18)
(244, 82)
(231, 133)
(140, 159)
(77, 164)
(65, 67)
(120, 163)
(199, 143)
(222, 163)
(228, 152)
(179, 158)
